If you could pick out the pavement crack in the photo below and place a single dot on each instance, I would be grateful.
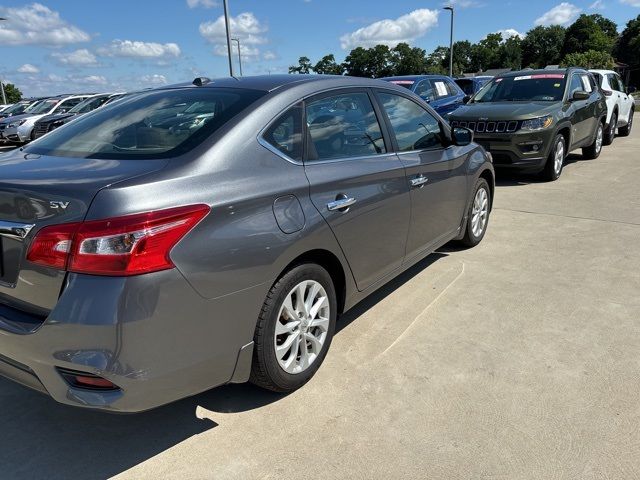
(568, 216)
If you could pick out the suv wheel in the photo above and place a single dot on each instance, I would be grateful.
(478, 214)
(294, 329)
(611, 131)
(626, 130)
(593, 151)
(555, 161)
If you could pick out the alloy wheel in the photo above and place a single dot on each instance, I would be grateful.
(599, 139)
(479, 212)
(302, 326)
(558, 158)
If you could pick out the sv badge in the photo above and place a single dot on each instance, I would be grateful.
(56, 205)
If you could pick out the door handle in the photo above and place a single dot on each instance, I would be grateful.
(418, 181)
(342, 202)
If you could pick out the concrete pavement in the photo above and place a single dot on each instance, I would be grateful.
(519, 359)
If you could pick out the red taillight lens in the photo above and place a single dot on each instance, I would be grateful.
(607, 93)
(128, 245)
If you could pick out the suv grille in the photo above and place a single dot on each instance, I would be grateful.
(493, 126)
(40, 129)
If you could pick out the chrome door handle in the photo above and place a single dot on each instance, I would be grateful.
(418, 181)
(341, 203)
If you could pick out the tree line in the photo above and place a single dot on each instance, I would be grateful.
(592, 41)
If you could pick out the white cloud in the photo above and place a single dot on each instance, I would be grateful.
(77, 58)
(562, 14)
(245, 27)
(136, 49)
(389, 32)
(599, 5)
(36, 24)
(202, 3)
(633, 3)
(269, 55)
(28, 68)
(154, 79)
(92, 79)
(463, 3)
(510, 32)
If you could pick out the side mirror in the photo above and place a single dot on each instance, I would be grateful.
(461, 136)
(466, 99)
(631, 89)
(580, 95)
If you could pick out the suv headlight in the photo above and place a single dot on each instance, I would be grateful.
(537, 123)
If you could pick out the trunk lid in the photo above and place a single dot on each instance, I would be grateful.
(36, 191)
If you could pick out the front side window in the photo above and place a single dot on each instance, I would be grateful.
(413, 126)
(425, 90)
(621, 84)
(285, 134)
(89, 104)
(153, 124)
(342, 126)
(67, 105)
(576, 85)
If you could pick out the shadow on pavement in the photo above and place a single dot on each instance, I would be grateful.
(43, 439)
(508, 178)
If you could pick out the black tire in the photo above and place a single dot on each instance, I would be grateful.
(266, 371)
(550, 172)
(471, 239)
(593, 151)
(626, 130)
(611, 131)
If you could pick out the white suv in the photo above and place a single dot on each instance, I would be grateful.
(620, 105)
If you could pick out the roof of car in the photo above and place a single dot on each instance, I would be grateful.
(270, 83)
(414, 78)
(563, 71)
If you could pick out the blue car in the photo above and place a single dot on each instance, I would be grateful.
(472, 85)
(439, 91)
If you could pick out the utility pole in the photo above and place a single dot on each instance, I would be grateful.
(237, 40)
(4, 97)
(228, 27)
(450, 7)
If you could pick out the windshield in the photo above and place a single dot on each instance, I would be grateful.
(89, 104)
(544, 87)
(44, 106)
(154, 124)
(17, 108)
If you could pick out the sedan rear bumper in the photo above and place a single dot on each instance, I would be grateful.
(132, 332)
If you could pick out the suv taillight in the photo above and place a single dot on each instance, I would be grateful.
(128, 245)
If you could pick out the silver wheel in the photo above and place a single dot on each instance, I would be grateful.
(599, 139)
(302, 326)
(479, 212)
(558, 158)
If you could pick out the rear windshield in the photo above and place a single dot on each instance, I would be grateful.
(154, 124)
(546, 87)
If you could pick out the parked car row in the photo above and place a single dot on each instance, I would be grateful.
(27, 120)
(209, 233)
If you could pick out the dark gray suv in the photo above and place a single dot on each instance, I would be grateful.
(209, 233)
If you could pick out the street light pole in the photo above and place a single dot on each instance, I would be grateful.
(450, 7)
(237, 40)
(227, 27)
(4, 97)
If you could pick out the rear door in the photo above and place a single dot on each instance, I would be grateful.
(582, 117)
(436, 176)
(357, 184)
(624, 101)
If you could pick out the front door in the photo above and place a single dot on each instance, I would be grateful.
(582, 113)
(356, 184)
(436, 176)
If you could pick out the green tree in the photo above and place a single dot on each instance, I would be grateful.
(304, 66)
(437, 59)
(628, 48)
(510, 53)
(408, 61)
(587, 33)
(542, 46)
(328, 66)
(486, 53)
(589, 59)
(462, 52)
(374, 62)
(12, 93)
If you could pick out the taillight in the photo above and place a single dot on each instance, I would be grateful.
(607, 93)
(128, 245)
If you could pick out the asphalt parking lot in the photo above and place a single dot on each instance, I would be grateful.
(517, 359)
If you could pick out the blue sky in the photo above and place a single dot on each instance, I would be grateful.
(56, 46)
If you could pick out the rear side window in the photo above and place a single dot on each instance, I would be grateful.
(466, 86)
(440, 87)
(613, 82)
(154, 124)
(285, 134)
(425, 90)
(413, 127)
(342, 126)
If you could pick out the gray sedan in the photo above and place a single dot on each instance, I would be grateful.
(212, 232)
